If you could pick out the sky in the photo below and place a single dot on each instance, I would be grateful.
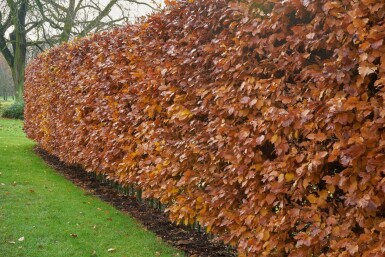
(136, 11)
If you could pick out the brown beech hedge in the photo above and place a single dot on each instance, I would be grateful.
(262, 120)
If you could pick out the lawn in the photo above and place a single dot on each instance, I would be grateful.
(43, 214)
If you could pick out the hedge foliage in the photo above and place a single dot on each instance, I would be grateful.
(262, 120)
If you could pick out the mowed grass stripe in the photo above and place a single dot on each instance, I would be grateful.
(43, 214)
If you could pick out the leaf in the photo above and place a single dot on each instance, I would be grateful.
(266, 235)
(249, 219)
(310, 35)
(281, 177)
(21, 239)
(170, 2)
(183, 114)
(366, 69)
(270, 198)
(259, 140)
(274, 138)
(378, 44)
(245, 100)
(111, 250)
(352, 248)
(323, 194)
(244, 133)
(319, 137)
(299, 158)
(253, 102)
(312, 198)
(74, 235)
(289, 177)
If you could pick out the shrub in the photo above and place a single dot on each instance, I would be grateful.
(262, 120)
(14, 111)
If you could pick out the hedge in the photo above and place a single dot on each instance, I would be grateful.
(261, 120)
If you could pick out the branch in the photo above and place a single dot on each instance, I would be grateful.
(35, 24)
(95, 23)
(41, 49)
(58, 6)
(101, 15)
(5, 51)
(141, 3)
(12, 5)
(41, 10)
(48, 40)
(7, 23)
(37, 44)
(88, 6)
(3, 42)
(34, 43)
(78, 6)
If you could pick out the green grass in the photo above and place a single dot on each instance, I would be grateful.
(40, 210)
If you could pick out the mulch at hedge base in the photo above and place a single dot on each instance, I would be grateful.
(192, 242)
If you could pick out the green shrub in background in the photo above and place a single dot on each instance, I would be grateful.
(14, 111)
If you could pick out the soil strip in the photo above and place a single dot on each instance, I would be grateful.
(192, 242)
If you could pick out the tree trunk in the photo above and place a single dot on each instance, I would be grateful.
(18, 77)
(19, 45)
(69, 22)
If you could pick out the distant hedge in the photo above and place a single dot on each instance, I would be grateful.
(14, 111)
(262, 120)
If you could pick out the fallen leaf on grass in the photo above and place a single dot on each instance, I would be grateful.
(12, 242)
(111, 250)
(74, 235)
(21, 239)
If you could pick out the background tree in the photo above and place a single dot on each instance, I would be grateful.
(14, 47)
(6, 85)
(32, 26)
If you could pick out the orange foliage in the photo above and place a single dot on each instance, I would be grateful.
(263, 120)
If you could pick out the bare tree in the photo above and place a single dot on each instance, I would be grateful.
(6, 85)
(15, 46)
(40, 24)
